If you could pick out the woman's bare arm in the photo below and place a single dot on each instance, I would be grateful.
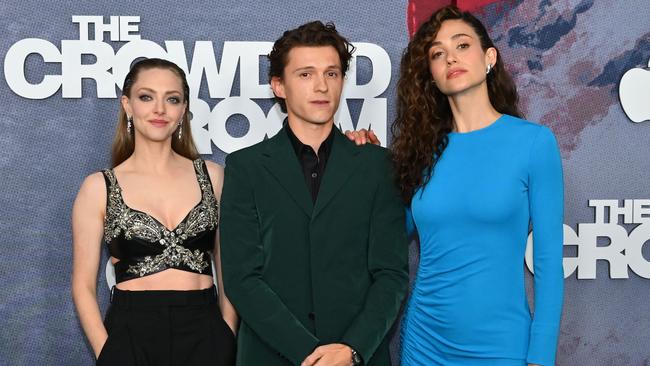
(87, 230)
(227, 310)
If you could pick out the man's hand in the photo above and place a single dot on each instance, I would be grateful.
(335, 354)
(363, 137)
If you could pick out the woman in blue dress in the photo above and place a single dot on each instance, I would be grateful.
(475, 176)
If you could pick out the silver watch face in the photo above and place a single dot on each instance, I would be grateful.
(356, 359)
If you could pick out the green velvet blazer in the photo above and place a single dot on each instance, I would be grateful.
(302, 274)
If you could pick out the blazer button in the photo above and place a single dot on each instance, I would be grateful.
(311, 316)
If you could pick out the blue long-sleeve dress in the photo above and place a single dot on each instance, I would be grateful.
(468, 304)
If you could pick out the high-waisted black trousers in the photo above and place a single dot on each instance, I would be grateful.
(166, 328)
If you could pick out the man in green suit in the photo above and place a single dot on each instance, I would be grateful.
(313, 242)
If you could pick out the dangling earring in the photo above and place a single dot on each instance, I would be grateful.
(129, 124)
(489, 68)
(180, 129)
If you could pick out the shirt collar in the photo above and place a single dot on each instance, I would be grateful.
(299, 147)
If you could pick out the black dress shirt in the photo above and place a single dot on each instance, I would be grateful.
(313, 165)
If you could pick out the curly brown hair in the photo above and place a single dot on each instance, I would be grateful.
(424, 118)
(124, 141)
(312, 34)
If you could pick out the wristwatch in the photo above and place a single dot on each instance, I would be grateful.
(356, 358)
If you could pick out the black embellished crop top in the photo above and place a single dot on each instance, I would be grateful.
(145, 246)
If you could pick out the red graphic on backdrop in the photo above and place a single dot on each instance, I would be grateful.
(418, 11)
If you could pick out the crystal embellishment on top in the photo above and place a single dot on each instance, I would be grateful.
(121, 219)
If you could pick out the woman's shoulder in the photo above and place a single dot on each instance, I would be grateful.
(525, 127)
(94, 182)
(92, 193)
(215, 171)
(521, 122)
(213, 168)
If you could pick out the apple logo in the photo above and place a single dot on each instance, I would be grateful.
(110, 273)
(634, 93)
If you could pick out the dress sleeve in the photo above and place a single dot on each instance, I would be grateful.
(546, 192)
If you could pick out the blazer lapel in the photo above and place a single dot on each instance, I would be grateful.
(281, 161)
(340, 166)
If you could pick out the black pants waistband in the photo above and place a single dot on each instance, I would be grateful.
(150, 298)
